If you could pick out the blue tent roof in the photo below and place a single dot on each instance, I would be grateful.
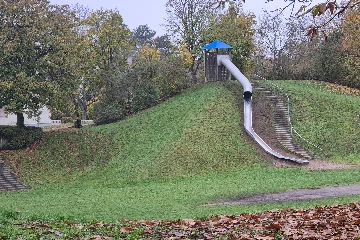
(216, 44)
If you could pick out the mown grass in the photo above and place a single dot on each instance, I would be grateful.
(168, 161)
(195, 133)
(328, 119)
(61, 154)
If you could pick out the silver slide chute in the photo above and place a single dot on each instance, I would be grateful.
(225, 60)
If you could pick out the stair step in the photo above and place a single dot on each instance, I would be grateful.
(283, 139)
(288, 145)
(290, 149)
(282, 130)
(8, 181)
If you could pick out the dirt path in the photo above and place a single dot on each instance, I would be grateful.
(294, 195)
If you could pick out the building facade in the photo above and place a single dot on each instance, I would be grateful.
(42, 120)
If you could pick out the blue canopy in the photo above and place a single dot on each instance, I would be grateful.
(217, 44)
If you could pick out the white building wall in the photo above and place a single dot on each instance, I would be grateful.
(10, 119)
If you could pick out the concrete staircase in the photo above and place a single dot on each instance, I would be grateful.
(8, 181)
(282, 125)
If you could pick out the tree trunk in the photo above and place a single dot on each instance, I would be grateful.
(82, 106)
(77, 123)
(193, 71)
(20, 120)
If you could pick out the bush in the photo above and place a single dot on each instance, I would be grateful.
(104, 113)
(172, 77)
(13, 138)
(144, 96)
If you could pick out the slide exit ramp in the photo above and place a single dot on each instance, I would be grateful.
(225, 60)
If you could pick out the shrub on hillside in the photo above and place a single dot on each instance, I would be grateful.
(104, 113)
(12, 138)
(172, 77)
(142, 87)
(144, 95)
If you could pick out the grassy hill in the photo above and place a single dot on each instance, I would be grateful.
(162, 163)
(329, 116)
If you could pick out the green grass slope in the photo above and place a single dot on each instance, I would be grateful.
(60, 155)
(328, 119)
(163, 163)
(195, 133)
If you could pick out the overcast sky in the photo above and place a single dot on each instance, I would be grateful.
(152, 12)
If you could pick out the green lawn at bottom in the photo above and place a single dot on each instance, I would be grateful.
(171, 199)
(172, 159)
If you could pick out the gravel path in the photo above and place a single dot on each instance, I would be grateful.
(294, 195)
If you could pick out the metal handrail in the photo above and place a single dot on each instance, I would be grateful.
(292, 129)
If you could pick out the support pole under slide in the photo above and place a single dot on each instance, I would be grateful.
(248, 110)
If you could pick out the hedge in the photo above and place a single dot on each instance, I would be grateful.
(12, 138)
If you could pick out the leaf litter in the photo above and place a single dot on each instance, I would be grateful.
(323, 222)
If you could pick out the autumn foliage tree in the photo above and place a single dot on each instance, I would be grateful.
(110, 41)
(34, 35)
(103, 43)
(312, 8)
(351, 45)
(143, 35)
(236, 29)
(187, 21)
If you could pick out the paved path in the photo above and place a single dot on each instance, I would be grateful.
(8, 181)
(294, 195)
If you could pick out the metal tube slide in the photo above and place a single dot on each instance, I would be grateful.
(248, 110)
(235, 72)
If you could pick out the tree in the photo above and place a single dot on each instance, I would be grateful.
(351, 45)
(308, 7)
(146, 61)
(143, 35)
(164, 45)
(34, 36)
(284, 52)
(110, 42)
(270, 39)
(74, 70)
(188, 21)
(330, 59)
(105, 46)
(236, 29)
